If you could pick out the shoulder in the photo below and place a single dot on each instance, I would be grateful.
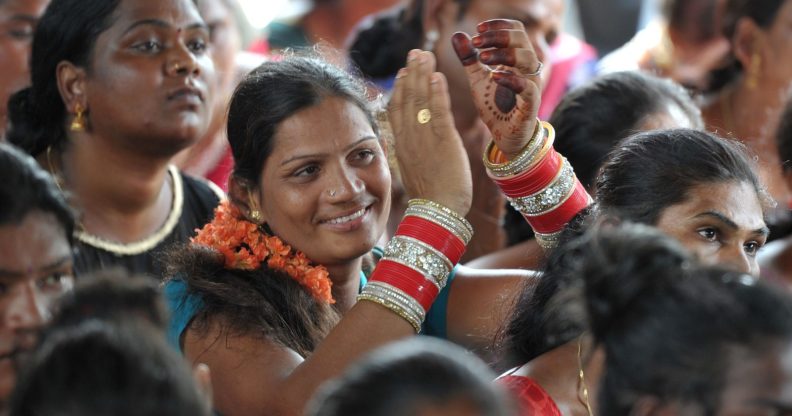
(200, 196)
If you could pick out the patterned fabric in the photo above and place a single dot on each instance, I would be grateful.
(531, 397)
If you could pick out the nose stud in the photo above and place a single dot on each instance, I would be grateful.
(331, 192)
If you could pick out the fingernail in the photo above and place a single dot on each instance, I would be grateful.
(435, 79)
(411, 55)
(477, 41)
(402, 72)
(423, 58)
(485, 56)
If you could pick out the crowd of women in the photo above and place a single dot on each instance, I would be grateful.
(447, 221)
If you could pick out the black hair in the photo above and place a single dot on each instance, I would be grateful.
(275, 91)
(642, 177)
(101, 369)
(671, 329)
(111, 295)
(405, 377)
(401, 31)
(591, 120)
(762, 12)
(654, 170)
(66, 32)
(262, 302)
(784, 137)
(26, 188)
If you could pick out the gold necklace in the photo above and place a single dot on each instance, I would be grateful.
(55, 175)
(582, 387)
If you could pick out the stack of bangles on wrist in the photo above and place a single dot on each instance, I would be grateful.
(540, 183)
(430, 240)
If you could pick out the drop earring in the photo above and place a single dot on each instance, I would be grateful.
(753, 71)
(78, 124)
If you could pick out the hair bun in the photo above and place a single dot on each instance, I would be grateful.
(24, 122)
(621, 264)
(381, 49)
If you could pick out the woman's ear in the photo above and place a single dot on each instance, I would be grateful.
(747, 42)
(71, 85)
(245, 196)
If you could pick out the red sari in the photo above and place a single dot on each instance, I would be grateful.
(532, 399)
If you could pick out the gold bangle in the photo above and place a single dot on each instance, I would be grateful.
(396, 301)
(548, 241)
(525, 159)
(442, 216)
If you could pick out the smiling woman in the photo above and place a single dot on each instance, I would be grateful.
(118, 88)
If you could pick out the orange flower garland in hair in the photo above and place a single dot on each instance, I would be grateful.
(245, 247)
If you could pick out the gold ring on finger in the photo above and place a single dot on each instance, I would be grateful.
(424, 116)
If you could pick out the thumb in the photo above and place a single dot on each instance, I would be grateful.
(468, 55)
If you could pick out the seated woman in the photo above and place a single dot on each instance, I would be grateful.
(591, 121)
(328, 198)
(696, 187)
(118, 88)
(678, 338)
(36, 226)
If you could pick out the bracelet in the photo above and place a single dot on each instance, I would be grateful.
(558, 216)
(536, 148)
(549, 198)
(442, 216)
(533, 180)
(436, 236)
(548, 241)
(411, 282)
(418, 260)
(419, 256)
(395, 301)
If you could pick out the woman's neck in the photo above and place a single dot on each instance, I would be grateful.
(124, 197)
(346, 283)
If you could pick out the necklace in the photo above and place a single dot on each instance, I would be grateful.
(55, 175)
(582, 387)
(727, 114)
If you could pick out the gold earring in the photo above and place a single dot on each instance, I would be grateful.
(753, 71)
(254, 213)
(78, 124)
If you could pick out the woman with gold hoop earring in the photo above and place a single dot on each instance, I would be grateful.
(107, 135)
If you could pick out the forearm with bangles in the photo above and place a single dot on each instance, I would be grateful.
(428, 243)
(540, 184)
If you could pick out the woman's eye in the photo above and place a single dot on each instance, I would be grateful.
(197, 46)
(709, 234)
(307, 171)
(365, 154)
(55, 279)
(752, 248)
(25, 33)
(148, 46)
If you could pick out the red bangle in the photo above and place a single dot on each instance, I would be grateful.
(408, 280)
(556, 219)
(533, 180)
(434, 235)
